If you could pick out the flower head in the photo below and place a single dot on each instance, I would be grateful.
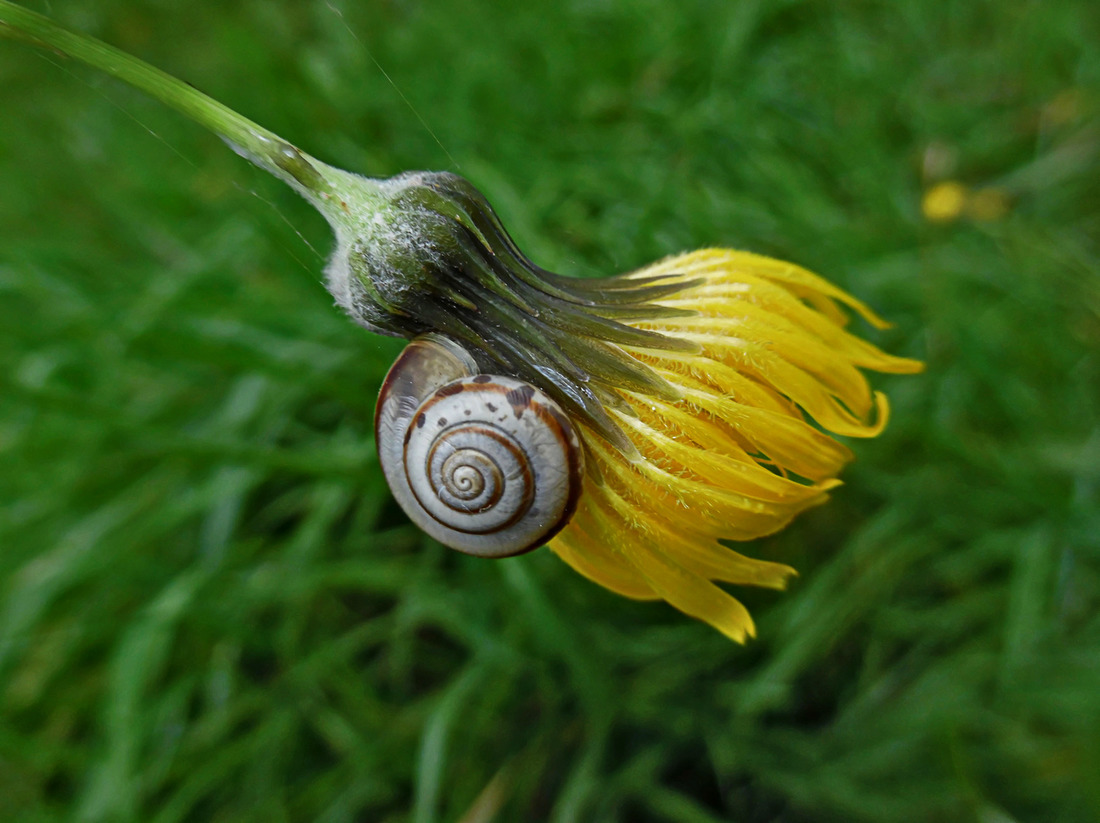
(736, 455)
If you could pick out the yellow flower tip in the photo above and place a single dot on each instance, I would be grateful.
(741, 446)
(791, 572)
(877, 422)
(748, 632)
(900, 365)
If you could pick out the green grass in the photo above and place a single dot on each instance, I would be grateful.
(210, 609)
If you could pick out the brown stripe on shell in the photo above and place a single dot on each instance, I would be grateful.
(457, 387)
(520, 399)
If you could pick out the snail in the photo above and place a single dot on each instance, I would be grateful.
(485, 464)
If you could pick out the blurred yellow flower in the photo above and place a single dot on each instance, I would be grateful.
(950, 200)
(987, 204)
(944, 202)
(736, 456)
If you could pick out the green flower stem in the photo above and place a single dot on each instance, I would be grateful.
(324, 186)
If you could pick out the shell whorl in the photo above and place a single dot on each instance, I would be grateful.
(487, 465)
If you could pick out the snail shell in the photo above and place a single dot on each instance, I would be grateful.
(487, 465)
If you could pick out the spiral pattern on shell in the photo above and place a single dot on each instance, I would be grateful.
(485, 464)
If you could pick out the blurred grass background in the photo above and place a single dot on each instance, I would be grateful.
(210, 610)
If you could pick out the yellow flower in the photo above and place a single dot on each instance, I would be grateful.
(944, 202)
(951, 200)
(988, 204)
(735, 457)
